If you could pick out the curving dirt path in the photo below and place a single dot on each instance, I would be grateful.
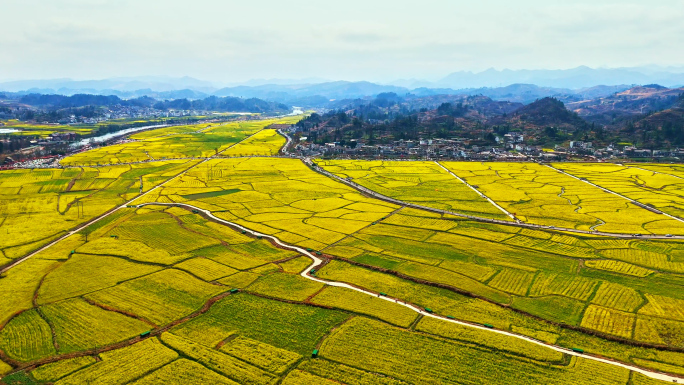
(115, 209)
(317, 261)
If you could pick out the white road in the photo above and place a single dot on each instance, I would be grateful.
(479, 193)
(481, 219)
(112, 211)
(317, 261)
(616, 194)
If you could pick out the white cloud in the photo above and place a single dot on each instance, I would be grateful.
(354, 39)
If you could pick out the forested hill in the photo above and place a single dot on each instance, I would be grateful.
(549, 112)
(212, 103)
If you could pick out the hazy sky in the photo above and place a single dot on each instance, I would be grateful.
(379, 40)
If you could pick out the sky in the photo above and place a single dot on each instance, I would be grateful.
(376, 40)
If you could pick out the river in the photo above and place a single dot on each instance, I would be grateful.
(106, 137)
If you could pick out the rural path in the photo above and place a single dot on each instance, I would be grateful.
(115, 209)
(478, 192)
(370, 193)
(90, 222)
(653, 171)
(288, 143)
(385, 198)
(638, 204)
(318, 261)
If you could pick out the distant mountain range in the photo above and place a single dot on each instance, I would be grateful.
(211, 103)
(580, 77)
(523, 86)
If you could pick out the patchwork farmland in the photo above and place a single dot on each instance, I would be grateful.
(234, 265)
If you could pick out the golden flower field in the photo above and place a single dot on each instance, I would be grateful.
(156, 290)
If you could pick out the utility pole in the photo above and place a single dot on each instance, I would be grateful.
(141, 185)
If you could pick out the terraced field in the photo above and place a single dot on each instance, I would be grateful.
(423, 183)
(164, 294)
(37, 206)
(656, 186)
(535, 272)
(538, 194)
(281, 197)
(265, 143)
(43, 130)
(200, 140)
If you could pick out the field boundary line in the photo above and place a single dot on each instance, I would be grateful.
(92, 221)
(653, 171)
(365, 227)
(236, 143)
(632, 201)
(318, 261)
(16, 262)
(385, 198)
(19, 366)
(479, 192)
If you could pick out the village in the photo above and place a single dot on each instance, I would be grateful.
(509, 147)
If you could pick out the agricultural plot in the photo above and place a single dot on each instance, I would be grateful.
(441, 301)
(299, 377)
(352, 376)
(200, 140)
(295, 328)
(205, 268)
(159, 298)
(56, 370)
(224, 364)
(416, 358)
(69, 280)
(79, 325)
(540, 195)
(286, 286)
(123, 365)
(116, 286)
(266, 142)
(551, 286)
(350, 300)
(19, 285)
(468, 335)
(27, 337)
(424, 183)
(295, 265)
(37, 206)
(656, 186)
(159, 230)
(282, 197)
(264, 356)
(184, 372)
(44, 130)
(609, 321)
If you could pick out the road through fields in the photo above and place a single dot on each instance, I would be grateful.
(17, 261)
(318, 261)
(481, 219)
(617, 194)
